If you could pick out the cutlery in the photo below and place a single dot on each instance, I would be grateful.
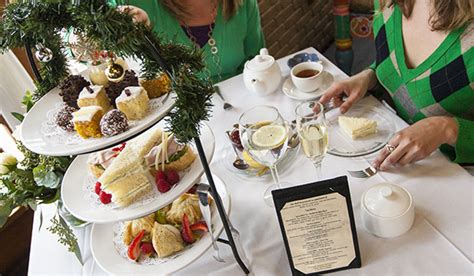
(227, 106)
(203, 193)
(238, 162)
(365, 173)
(236, 237)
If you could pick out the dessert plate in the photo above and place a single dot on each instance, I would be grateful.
(340, 144)
(291, 91)
(41, 135)
(77, 189)
(111, 259)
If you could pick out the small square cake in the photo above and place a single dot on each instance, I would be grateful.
(87, 121)
(357, 127)
(133, 102)
(94, 95)
(157, 87)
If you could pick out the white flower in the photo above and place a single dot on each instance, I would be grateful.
(6, 159)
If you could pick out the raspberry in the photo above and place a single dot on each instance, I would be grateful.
(105, 198)
(97, 188)
(160, 175)
(172, 176)
(163, 186)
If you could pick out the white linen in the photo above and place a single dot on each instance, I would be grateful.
(440, 242)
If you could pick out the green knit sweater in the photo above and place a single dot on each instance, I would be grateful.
(443, 85)
(237, 39)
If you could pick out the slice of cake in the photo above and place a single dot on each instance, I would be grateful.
(94, 95)
(87, 121)
(133, 102)
(157, 87)
(357, 127)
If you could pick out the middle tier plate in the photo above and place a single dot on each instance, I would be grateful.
(77, 189)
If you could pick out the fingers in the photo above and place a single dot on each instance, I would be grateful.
(353, 97)
(385, 153)
(334, 90)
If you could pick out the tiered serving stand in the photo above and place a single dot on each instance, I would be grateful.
(32, 144)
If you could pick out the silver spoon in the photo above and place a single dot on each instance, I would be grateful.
(238, 162)
(227, 106)
(294, 141)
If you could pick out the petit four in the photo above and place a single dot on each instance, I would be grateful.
(87, 121)
(70, 89)
(94, 95)
(64, 118)
(133, 102)
(114, 122)
(157, 87)
(114, 89)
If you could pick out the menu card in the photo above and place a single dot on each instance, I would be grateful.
(318, 228)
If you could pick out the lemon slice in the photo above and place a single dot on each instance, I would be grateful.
(269, 136)
(249, 160)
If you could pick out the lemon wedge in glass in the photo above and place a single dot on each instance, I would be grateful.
(249, 160)
(269, 136)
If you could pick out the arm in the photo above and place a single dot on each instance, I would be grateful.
(254, 39)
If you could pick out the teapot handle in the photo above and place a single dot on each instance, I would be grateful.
(264, 52)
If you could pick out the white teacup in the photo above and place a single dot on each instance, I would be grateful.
(307, 76)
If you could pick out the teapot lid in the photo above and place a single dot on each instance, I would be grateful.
(260, 62)
(387, 200)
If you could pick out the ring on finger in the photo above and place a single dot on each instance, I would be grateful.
(390, 148)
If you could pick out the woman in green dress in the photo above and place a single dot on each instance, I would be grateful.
(228, 31)
(425, 60)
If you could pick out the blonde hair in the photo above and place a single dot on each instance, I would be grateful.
(447, 15)
(181, 12)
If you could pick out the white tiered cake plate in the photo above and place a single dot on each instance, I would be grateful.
(77, 189)
(110, 255)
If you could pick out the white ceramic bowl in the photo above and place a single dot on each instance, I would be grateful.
(387, 210)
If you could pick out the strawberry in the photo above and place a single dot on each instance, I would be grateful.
(186, 232)
(163, 186)
(172, 176)
(133, 251)
(105, 198)
(146, 248)
(199, 226)
(160, 175)
(97, 188)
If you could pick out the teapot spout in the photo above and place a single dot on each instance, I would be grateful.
(258, 86)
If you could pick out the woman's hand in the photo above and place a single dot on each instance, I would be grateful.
(138, 14)
(418, 141)
(354, 88)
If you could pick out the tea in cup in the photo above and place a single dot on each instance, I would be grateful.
(307, 76)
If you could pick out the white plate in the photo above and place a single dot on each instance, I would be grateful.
(340, 144)
(291, 91)
(41, 135)
(109, 259)
(77, 189)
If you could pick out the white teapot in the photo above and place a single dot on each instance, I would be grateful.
(262, 74)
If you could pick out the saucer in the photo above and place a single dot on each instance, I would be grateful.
(291, 91)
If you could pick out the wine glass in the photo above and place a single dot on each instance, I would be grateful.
(264, 135)
(312, 129)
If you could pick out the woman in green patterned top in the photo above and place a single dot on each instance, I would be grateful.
(425, 60)
(228, 31)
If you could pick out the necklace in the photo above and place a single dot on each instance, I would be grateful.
(211, 41)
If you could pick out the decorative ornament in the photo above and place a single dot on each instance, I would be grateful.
(114, 72)
(20, 13)
(43, 54)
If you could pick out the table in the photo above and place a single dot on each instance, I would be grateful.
(441, 240)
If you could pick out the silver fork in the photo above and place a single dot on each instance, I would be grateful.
(227, 106)
(203, 193)
(365, 173)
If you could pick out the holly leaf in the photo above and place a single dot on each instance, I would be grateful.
(18, 116)
(46, 178)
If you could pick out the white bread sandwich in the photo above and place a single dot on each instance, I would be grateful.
(357, 127)
(174, 156)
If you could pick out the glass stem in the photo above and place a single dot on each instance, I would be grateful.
(317, 166)
(275, 176)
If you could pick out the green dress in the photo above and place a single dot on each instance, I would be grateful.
(443, 85)
(237, 40)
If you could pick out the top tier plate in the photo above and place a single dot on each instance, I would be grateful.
(41, 135)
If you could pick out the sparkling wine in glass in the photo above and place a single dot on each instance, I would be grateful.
(264, 135)
(312, 131)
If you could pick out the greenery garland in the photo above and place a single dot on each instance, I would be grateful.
(40, 22)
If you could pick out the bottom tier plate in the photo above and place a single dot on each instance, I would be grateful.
(108, 257)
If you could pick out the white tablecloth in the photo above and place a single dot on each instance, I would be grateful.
(440, 242)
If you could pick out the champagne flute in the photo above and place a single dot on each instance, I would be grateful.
(312, 129)
(264, 135)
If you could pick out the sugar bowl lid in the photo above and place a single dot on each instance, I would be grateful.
(260, 62)
(387, 200)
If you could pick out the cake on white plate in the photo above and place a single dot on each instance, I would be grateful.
(357, 127)
(133, 102)
(94, 96)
